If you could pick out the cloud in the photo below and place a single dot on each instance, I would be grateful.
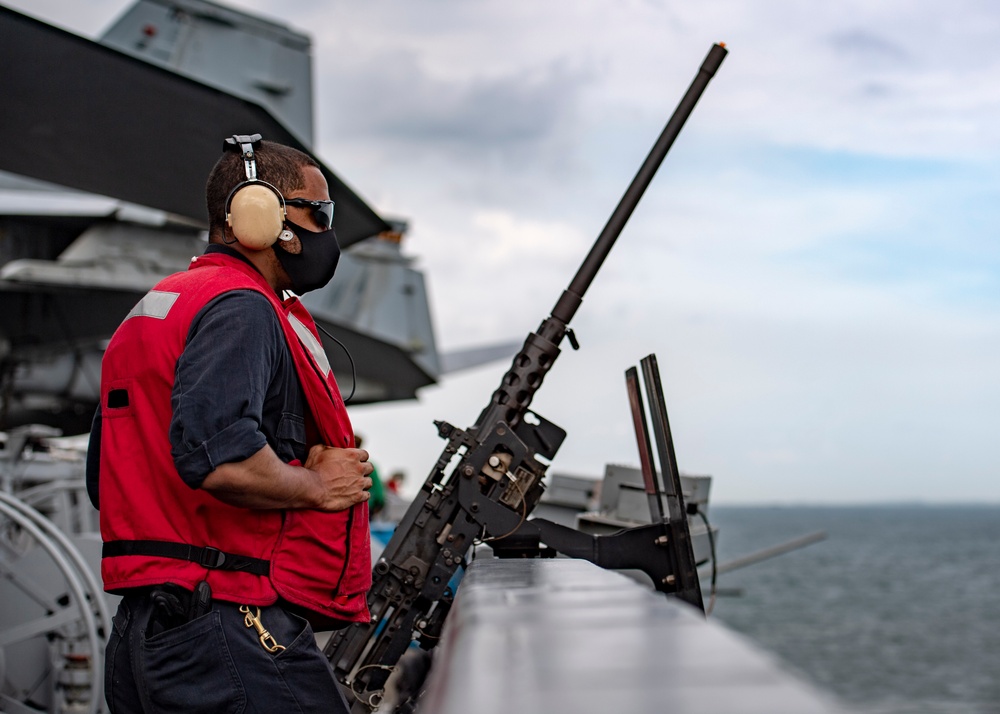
(513, 243)
(392, 98)
(864, 45)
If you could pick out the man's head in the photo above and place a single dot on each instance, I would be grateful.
(277, 164)
(305, 255)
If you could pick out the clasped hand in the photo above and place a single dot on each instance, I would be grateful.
(344, 476)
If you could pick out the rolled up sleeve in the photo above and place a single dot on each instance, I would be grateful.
(220, 384)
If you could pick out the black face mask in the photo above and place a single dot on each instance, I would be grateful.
(315, 265)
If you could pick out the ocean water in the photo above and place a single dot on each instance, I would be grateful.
(896, 612)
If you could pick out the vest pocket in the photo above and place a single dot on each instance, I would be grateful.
(357, 577)
(117, 399)
(290, 436)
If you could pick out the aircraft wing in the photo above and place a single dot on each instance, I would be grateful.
(83, 115)
(469, 357)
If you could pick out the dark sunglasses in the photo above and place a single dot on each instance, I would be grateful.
(322, 210)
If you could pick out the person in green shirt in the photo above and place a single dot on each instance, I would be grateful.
(377, 500)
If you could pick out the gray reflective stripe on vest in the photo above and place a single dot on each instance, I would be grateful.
(309, 341)
(156, 304)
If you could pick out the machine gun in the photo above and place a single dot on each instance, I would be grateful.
(488, 480)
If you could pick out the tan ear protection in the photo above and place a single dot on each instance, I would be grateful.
(255, 210)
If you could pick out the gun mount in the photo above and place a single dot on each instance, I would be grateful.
(495, 481)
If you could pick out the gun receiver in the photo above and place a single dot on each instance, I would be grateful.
(496, 472)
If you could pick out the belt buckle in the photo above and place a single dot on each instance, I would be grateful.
(211, 558)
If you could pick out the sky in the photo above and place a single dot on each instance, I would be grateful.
(815, 265)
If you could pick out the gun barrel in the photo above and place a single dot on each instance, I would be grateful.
(570, 300)
(517, 389)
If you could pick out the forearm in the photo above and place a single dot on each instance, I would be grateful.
(264, 481)
(332, 479)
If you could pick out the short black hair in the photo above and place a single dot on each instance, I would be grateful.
(277, 164)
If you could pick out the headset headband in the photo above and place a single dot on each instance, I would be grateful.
(244, 144)
(255, 210)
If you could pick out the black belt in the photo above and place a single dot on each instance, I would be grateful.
(207, 557)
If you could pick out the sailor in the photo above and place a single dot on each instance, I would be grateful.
(233, 501)
(376, 500)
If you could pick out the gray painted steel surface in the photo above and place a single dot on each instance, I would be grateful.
(102, 118)
(260, 60)
(553, 636)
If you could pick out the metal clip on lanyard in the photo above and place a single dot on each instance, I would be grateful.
(267, 640)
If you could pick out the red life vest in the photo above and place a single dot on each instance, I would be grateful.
(319, 561)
